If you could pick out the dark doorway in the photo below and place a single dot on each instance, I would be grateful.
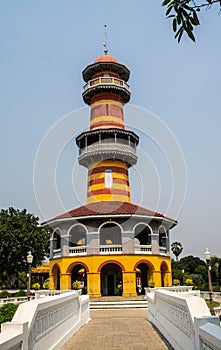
(79, 273)
(111, 280)
(142, 277)
(110, 284)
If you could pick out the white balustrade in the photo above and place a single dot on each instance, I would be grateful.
(142, 249)
(111, 249)
(56, 253)
(82, 250)
(45, 323)
(106, 81)
(184, 319)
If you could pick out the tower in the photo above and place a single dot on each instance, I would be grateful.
(112, 246)
(107, 150)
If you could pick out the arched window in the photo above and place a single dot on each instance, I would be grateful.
(108, 178)
(110, 234)
(57, 240)
(142, 234)
(77, 236)
(162, 237)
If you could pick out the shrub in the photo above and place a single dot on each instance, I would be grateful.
(7, 312)
(151, 283)
(5, 294)
(21, 293)
(46, 284)
(189, 282)
(176, 282)
(76, 284)
(36, 286)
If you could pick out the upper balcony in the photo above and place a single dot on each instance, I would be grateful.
(103, 150)
(106, 84)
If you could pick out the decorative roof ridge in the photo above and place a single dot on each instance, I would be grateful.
(110, 207)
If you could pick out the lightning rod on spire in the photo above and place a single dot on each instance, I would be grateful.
(105, 40)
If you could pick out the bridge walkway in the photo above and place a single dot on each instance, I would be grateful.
(123, 329)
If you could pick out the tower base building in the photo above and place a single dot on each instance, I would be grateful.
(109, 245)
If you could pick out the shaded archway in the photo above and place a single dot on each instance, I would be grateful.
(162, 237)
(56, 240)
(79, 273)
(163, 272)
(111, 279)
(144, 271)
(110, 233)
(142, 234)
(56, 276)
(77, 236)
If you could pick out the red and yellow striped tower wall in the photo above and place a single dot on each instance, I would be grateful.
(107, 150)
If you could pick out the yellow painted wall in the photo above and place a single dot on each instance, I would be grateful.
(93, 264)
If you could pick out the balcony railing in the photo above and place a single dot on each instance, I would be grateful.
(142, 249)
(111, 249)
(163, 250)
(106, 81)
(82, 250)
(109, 147)
(56, 253)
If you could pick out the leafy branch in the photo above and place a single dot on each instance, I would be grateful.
(185, 15)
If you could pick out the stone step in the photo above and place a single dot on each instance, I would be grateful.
(126, 304)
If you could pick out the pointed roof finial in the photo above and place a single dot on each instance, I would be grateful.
(105, 41)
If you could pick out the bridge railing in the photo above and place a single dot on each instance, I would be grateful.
(45, 323)
(184, 320)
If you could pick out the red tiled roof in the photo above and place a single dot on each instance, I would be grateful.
(112, 208)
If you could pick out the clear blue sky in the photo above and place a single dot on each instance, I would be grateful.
(45, 45)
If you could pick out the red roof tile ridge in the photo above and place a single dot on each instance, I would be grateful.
(111, 207)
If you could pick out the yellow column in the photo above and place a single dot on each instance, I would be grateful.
(93, 284)
(157, 278)
(129, 284)
(65, 281)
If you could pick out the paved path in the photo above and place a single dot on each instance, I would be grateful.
(117, 330)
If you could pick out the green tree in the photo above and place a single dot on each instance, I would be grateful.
(185, 14)
(7, 312)
(19, 233)
(176, 248)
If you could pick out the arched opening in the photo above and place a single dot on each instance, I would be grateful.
(111, 280)
(163, 271)
(142, 235)
(77, 236)
(79, 273)
(57, 240)
(56, 277)
(110, 233)
(143, 276)
(162, 237)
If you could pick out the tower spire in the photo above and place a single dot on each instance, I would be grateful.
(105, 40)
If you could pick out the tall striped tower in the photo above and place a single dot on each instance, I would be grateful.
(107, 150)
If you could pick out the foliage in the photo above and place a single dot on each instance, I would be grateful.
(189, 282)
(7, 312)
(36, 286)
(5, 294)
(176, 248)
(151, 283)
(76, 285)
(19, 233)
(21, 293)
(197, 280)
(184, 15)
(46, 284)
(176, 282)
(215, 303)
